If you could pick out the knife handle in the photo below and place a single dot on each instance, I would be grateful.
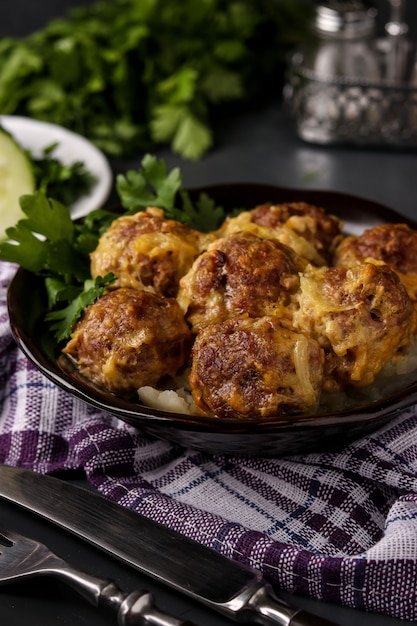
(265, 608)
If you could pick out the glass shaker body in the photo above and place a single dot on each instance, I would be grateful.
(325, 88)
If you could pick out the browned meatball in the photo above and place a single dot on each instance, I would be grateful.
(128, 339)
(362, 316)
(308, 229)
(147, 251)
(255, 368)
(238, 275)
(393, 244)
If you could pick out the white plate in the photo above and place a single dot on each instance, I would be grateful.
(34, 135)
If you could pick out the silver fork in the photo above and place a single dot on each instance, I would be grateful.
(21, 557)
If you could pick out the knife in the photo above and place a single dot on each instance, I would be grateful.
(239, 592)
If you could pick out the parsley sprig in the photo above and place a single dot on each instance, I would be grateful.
(132, 74)
(48, 243)
(63, 319)
(154, 186)
(64, 182)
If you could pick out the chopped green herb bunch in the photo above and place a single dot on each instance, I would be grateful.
(65, 183)
(131, 74)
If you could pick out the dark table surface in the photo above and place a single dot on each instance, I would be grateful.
(257, 146)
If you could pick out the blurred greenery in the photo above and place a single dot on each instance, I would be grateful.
(131, 74)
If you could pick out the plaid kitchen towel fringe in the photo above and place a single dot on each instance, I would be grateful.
(341, 527)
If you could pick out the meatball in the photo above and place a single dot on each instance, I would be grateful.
(237, 275)
(128, 339)
(245, 367)
(393, 244)
(306, 228)
(361, 316)
(147, 251)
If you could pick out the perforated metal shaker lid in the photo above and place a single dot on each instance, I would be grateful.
(345, 18)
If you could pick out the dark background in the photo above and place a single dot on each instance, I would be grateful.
(257, 146)
(20, 17)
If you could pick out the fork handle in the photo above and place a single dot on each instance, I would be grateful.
(136, 607)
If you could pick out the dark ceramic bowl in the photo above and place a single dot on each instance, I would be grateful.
(261, 437)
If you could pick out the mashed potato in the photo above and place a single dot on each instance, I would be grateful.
(170, 400)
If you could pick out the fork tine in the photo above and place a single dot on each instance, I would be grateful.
(7, 537)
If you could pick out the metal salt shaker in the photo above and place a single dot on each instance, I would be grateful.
(324, 91)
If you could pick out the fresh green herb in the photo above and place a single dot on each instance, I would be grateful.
(41, 241)
(49, 244)
(65, 318)
(66, 183)
(131, 74)
(150, 186)
(204, 215)
(153, 186)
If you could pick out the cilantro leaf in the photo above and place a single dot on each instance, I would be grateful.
(44, 241)
(88, 232)
(130, 75)
(192, 138)
(63, 320)
(23, 248)
(153, 186)
(150, 186)
(63, 182)
(47, 217)
(48, 243)
(58, 291)
(204, 214)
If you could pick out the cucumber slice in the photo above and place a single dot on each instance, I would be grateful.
(16, 179)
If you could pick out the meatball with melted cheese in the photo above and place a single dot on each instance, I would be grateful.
(128, 339)
(240, 275)
(245, 367)
(361, 316)
(147, 251)
(392, 244)
(306, 228)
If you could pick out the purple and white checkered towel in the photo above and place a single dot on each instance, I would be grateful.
(341, 527)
